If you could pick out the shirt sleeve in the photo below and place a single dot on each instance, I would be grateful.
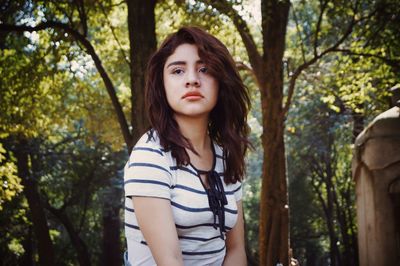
(147, 172)
(238, 191)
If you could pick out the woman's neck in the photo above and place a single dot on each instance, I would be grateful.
(196, 130)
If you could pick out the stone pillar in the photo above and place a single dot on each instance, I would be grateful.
(376, 171)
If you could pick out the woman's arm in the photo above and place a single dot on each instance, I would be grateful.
(235, 251)
(155, 219)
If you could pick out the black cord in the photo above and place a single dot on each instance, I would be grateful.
(216, 199)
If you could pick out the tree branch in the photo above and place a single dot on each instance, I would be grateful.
(296, 21)
(226, 8)
(318, 27)
(395, 63)
(77, 241)
(316, 57)
(91, 51)
(333, 48)
(82, 15)
(316, 188)
(114, 35)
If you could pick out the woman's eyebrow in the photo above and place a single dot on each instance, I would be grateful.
(179, 63)
(176, 63)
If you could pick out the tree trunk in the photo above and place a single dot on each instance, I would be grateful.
(77, 242)
(141, 25)
(333, 239)
(328, 212)
(111, 246)
(274, 213)
(347, 257)
(142, 37)
(330, 194)
(27, 258)
(274, 224)
(353, 233)
(37, 213)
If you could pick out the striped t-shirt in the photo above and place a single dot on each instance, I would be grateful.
(151, 171)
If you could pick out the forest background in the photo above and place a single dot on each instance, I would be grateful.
(71, 108)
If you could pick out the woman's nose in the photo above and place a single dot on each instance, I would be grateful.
(193, 79)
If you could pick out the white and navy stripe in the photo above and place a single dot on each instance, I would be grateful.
(151, 171)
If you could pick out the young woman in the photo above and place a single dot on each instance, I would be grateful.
(183, 179)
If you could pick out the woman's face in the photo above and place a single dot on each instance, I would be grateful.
(191, 91)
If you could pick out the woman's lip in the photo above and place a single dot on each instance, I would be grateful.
(192, 95)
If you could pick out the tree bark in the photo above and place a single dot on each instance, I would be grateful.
(274, 213)
(347, 256)
(268, 70)
(111, 245)
(37, 213)
(77, 242)
(141, 25)
(274, 217)
(333, 238)
(27, 258)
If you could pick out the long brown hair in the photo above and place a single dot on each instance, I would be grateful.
(227, 121)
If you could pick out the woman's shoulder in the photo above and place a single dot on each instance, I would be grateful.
(149, 139)
(149, 150)
(149, 143)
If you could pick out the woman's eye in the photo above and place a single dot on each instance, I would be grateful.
(203, 70)
(177, 71)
